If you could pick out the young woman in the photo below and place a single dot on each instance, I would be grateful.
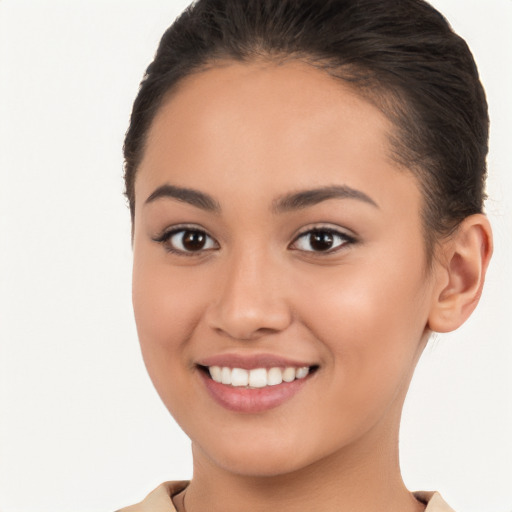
(306, 183)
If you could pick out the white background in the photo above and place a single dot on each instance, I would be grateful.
(81, 428)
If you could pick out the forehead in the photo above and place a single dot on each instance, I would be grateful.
(263, 127)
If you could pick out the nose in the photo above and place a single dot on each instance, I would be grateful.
(251, 301)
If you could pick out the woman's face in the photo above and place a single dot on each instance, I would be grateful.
(274, 230)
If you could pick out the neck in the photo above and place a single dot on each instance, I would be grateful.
(364, 477)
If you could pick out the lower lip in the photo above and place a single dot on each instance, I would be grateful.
(247, 400)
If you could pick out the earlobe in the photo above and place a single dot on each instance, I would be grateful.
(460, 278)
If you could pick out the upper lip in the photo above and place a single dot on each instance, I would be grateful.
(249, 362)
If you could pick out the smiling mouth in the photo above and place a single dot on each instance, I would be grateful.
(256, 378)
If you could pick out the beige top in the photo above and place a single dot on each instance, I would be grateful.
(160, 500)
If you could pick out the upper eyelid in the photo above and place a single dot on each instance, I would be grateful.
(325, 227)
(171, 230)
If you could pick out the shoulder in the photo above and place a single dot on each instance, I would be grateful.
(434, 501)
(159, 500)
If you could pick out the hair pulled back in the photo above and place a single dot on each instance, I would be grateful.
(402, 55)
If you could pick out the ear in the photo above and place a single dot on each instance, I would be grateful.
(462, 262)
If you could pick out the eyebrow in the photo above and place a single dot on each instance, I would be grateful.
(186, 195)
(305, 198)
(286, 203)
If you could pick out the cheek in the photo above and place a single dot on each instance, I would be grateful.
(167, 307)
(354, 302)
(373, 351)
(372, 323)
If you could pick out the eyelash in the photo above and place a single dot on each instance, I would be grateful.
(343, 240)
(166, 236)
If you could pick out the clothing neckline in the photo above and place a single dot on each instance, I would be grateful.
(160, 500)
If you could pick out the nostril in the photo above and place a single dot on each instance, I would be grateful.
(250, 321)
(238, 335)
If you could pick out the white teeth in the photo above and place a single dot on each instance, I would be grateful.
(226, 375)
(302, 372)
(289, 374)
(257, 377)
(239, 377)
(274, 376)
(216, 373)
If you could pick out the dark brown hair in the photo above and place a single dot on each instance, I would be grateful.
(400, 54)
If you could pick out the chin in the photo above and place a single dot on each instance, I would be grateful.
(257, 457)
(259, 465)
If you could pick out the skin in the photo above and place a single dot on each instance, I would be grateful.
(247, 135)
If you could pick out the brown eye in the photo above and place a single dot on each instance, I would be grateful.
(321, 240)
(187, 241)
(193, 240)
